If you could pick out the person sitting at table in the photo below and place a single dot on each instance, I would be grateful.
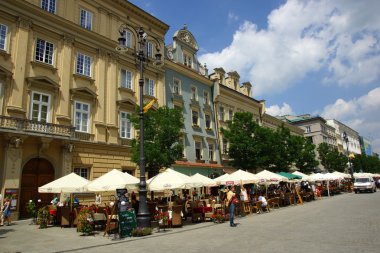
(263, 201)
(98, 199)
(76, 201)
(243, 194)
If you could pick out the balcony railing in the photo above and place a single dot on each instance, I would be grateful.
(24, 125)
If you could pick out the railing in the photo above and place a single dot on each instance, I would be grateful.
(24, 125)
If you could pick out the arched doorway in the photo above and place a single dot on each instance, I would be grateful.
(36, 172)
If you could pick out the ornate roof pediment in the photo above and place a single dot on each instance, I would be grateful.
(43, 81)
(186, 37)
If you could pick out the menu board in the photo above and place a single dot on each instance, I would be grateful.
(12, 194)
(127, 222)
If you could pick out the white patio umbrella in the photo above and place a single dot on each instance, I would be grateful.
(270, 177)
(71, 183)
(171, 179)
(344, 175)
(112, 180)
(208, 182)
(220, 178)
(304, 176)
(240, 177)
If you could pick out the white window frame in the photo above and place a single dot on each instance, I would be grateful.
(308, 129)
(3, 37)
(149, 49)
(125, 125)
(78, 123)
(211, 152)
(194, 93)
(210, 124)
(128, 38)
(126, 79)
(221, 113)
(187, 60)
(200, 149)
(150, 87)
(49, 5)
(192, 117)
(44, 51)
(85, 19)
(206, 98)
(83, 172)
(83, 65)
(40, 104)
(176, 83)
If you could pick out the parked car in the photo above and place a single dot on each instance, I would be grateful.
(364, 184)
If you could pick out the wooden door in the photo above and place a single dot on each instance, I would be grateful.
(35, 173)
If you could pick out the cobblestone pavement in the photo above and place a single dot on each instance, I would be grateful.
(344, 223)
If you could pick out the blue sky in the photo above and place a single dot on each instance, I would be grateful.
(317, 57)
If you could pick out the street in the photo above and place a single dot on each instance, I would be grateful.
(344, 223)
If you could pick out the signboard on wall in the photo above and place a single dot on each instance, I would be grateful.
(12, 194)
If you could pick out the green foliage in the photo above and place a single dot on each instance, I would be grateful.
(162, 132)
(43, 216)
(31, 208)
(364, 163)
(252, 146)
(138, 232)
(331, 159)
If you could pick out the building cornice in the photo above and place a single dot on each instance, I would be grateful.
(182, 69)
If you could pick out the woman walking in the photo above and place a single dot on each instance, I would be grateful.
(6, 212)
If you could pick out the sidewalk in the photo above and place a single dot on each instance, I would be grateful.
(22, 236)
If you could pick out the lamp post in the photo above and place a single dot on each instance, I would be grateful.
(345, 138)
(143, 215)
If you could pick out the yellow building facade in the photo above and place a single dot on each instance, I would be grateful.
(65, 92)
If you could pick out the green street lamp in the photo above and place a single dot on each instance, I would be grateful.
(345, 138)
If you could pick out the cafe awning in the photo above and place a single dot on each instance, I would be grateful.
(290, 176)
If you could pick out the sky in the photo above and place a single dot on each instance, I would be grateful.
(301, 56)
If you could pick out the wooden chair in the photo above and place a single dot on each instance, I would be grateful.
(258, 207)
(176, 216)
(247, 207)
(275, 202)
(112, 226)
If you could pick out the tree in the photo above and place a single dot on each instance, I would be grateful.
(331, 159)
(304, 154)
(364, 163)
(162, 132)
(240, 134)
(283, 153)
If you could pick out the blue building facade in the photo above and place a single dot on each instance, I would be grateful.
(188, 88)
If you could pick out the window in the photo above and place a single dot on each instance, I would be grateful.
(221, 113)
(206, 98)
(208, 121)
(126, 79)
(86, 19)
(211, 152)
(187, 60)
(150, 89)
(40, 107)
(198, 150)
(176, 87)
(194, 93)
(128, 38)
(194, 115)
(48, 5)
(82, 117)
(149, 49)
(125, 126)
(83, 64)
(230, 114)
(225, 146)
(44, 51)
(83, 172)
(308, 129)
(3, 36)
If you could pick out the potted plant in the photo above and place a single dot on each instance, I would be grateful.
(162, 218)
(31, 209)
(218, 218)
(43, 216)
(138, 232)
(86, 221)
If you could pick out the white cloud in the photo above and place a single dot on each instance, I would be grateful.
(232, 16)
(361, 114)
(340, 36)
(276, 110)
